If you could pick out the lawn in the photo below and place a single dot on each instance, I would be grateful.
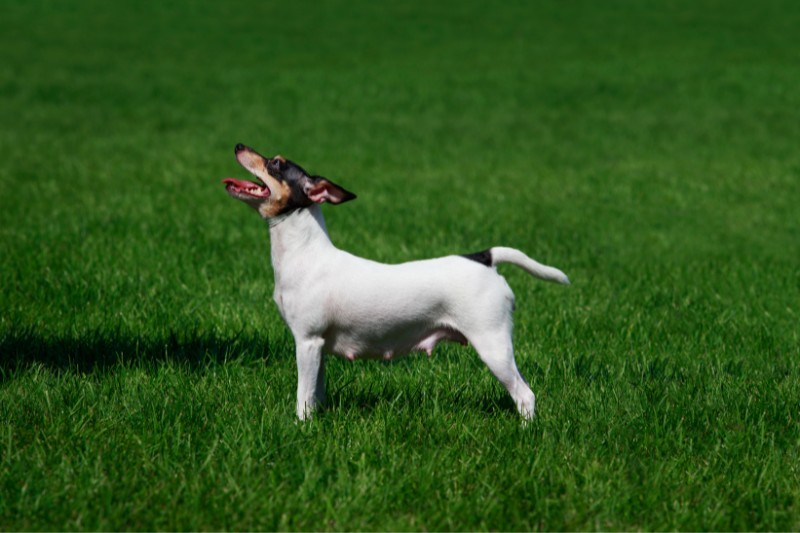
(651, 150)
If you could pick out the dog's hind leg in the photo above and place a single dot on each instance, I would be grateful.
(497, 351)
(310, 376)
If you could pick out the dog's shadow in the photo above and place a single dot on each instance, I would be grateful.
(350, 400)
(100, 351)
(92, 352)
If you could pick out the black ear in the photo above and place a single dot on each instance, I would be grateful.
(319, 190)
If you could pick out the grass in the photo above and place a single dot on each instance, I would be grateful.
(647, 149)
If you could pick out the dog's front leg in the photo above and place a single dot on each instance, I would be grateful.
(310, 376)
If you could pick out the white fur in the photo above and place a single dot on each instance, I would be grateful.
(335, 302)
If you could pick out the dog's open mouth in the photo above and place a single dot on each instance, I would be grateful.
(244, 190)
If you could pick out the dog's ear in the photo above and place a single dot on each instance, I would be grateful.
(319, 190)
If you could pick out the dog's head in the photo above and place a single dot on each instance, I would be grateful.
(281, 185)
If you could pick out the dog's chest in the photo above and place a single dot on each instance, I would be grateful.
(298, 301)
(287, 303)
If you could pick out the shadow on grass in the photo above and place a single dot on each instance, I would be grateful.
(97, 351)
(375, 396)
(101, 351)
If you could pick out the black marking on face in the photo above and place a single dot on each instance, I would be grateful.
(484, 257)
(294, 176)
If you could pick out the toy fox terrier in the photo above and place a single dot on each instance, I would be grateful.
(337, 303)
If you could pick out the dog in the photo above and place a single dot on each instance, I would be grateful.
(336, 303)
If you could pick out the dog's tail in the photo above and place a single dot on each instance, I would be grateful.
(501, 254)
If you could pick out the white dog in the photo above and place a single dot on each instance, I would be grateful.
(337, 303)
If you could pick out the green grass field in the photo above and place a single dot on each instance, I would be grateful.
(651, 150)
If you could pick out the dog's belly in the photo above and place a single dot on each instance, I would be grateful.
(366, 345)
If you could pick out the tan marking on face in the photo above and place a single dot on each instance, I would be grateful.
(280, 193)
(278, 199)
(254, 163)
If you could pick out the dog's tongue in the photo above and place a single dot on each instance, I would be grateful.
(237, 183)
(249, 188)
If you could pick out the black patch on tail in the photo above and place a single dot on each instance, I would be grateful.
(484, 257)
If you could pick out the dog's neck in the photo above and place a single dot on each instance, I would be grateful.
(296, 234)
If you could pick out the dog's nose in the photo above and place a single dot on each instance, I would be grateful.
(239, 148)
